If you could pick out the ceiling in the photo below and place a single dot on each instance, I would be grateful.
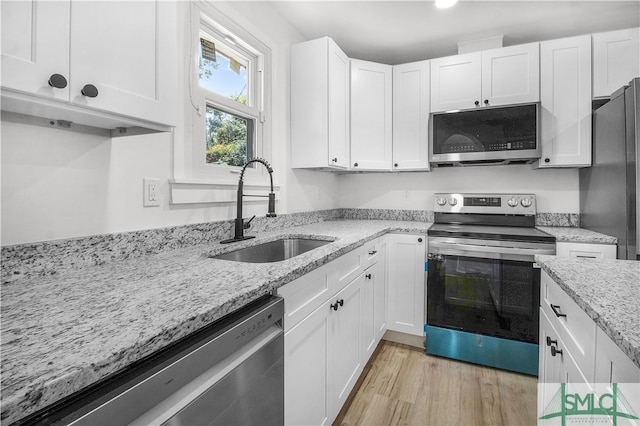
(395, 32)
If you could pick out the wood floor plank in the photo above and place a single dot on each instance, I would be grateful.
(404, 386)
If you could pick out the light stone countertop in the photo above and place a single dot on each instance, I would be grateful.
(606, 290)
(577, 235)
(63, 332)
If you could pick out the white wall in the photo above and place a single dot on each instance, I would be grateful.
(58, 184)
(556, 189)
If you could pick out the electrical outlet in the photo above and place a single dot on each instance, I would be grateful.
(151, 192)
(406, 194)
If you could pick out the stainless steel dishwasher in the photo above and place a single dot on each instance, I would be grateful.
(230, 374)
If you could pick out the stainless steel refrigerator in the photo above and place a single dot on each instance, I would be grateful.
(608, 198)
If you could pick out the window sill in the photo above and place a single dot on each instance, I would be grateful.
(201, 191)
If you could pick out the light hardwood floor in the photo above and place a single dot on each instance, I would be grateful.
(404, 386)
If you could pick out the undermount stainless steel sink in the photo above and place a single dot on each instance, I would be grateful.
(272, 251)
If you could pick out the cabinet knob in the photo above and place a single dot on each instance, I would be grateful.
(551, 342)
(368, 276)
(355, 164)
(372, 252)
(89, 90)
(334, 160)
(419, 240)
(334, 306)
(555, 351)
(486, 101)
(340, 302)
(477, 103)
(57, 81)
(395, 164)
(546, 160)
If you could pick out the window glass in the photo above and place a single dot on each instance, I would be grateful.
(223, 70)
(229, 138)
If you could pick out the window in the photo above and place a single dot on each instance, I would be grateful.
(227, 71)
(229, 92)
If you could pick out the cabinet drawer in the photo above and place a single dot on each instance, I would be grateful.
(576, 329)
(345, 268)
(305, 294)
(590, 251)
(372, 252)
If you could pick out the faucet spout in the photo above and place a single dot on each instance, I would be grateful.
(240, 225)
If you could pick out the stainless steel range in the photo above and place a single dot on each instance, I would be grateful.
(483, 285)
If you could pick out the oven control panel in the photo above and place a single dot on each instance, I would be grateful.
(521, 204)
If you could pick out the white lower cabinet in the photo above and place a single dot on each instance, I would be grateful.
(406, 283)
(573, 350)
(612, 365)
(344, 343)
(334, 318)
(307, 370)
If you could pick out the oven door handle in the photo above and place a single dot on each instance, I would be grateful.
(471, 250)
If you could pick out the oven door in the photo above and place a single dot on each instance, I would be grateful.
(485, 287)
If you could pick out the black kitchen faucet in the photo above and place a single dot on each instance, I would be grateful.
(240, 225)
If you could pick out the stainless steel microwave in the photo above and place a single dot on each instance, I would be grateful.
(487, 135)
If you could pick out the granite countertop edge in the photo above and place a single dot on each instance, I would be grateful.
(577, 235)
(37, 389)
(602, 288)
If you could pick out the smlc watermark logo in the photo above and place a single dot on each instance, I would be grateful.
(595, 404)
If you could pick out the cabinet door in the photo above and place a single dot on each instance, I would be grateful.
(556, 369)
(406, 282)
(565, 97)
(128, 51)
(338, 106)
(411, 92)
(380, 292)
(35, 45)
(373, 315)
(612, 365)
(344, 343)
(456, 82)
(371, 129)
(306, 370)
(367, 314)
(616, 60)
(511, 75)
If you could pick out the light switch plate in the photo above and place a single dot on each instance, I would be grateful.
(151, 192)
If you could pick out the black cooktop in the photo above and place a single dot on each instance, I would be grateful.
(488, 232)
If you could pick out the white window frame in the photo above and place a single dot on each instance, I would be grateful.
(191, 169)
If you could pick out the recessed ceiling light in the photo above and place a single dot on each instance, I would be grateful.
(443, 4)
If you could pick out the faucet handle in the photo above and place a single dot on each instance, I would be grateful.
(248, 224)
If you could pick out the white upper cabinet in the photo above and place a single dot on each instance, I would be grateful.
(371, 117)
(565, 98)
(411, 92)
(504, 76)
(456, 82)
(35, 40)
(319, 105)
(107, 63)
(511, 75)
(616, 60)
